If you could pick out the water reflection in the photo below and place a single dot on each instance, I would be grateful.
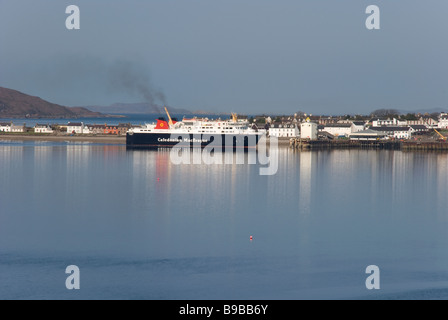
(306, 165)
(316, 223)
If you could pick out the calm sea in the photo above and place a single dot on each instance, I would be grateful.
(140, 227)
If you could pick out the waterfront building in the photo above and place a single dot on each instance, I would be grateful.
(338, 129)
(18, 128)
(77, 128)
(108, 129)
(443, 122)
(382, 122)
(419, 129)
(43, 128)
(5, 127)
(358, 126)
(308, 130)
(284, 130)
(368, 135)
(432, 123)
(395, 132)
(97, 128)
(123, 128)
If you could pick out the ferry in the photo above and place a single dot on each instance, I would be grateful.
(228, 134)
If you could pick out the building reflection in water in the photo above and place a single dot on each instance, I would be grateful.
(306, 171)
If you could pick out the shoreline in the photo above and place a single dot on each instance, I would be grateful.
(282, 142)
(93, 139)
(120, 140)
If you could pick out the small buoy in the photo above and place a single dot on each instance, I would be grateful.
(251, 238)
(158, 179)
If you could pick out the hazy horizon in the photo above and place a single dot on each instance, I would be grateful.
(229, 56)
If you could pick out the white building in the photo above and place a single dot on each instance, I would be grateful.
(284, 130)
(17, 128)
(5, 127)
(384, 122)
(368, 135)
(308, 130)
(77, 128)
(42, 128)
(338, 129)
(419, 129)
(426, 121)
(358, 126)
(443, 122)
(395, 132)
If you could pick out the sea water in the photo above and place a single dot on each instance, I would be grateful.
(140, 227)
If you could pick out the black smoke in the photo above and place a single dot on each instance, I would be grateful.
(91, 80)
(131, 79)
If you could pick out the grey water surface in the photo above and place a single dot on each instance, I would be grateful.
(139, 226)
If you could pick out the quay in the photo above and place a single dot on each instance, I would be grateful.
(306, 144)
(424, 146)
(293, 143)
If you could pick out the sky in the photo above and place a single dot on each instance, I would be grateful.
(245, 56)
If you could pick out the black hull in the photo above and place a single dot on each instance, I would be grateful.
(167, 140)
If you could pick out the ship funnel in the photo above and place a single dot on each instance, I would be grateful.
(170, 121)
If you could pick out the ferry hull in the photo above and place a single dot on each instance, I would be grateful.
(167, 140)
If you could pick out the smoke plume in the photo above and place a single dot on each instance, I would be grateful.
(90, 80)
(128, 78)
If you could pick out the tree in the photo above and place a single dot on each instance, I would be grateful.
(434, 115)
(383, 113)
(410, 116)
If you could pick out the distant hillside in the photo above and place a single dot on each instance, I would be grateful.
(15, 104)
(424, 111)
(136, 108)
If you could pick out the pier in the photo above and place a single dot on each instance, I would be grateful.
(306, 144)
(425, 146)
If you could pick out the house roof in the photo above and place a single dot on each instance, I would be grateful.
(74, 124)
(383, 119)
(337, 125)
(419, 127)
(368, 132)
(359, 123)
(284, 126)
(387, 129)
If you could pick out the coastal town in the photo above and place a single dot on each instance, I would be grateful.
(413, 127)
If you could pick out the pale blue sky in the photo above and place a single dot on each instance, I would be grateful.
(247, 56)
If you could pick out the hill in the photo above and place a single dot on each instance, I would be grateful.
(15, 104)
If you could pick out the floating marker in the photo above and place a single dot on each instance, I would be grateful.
(251, 238)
